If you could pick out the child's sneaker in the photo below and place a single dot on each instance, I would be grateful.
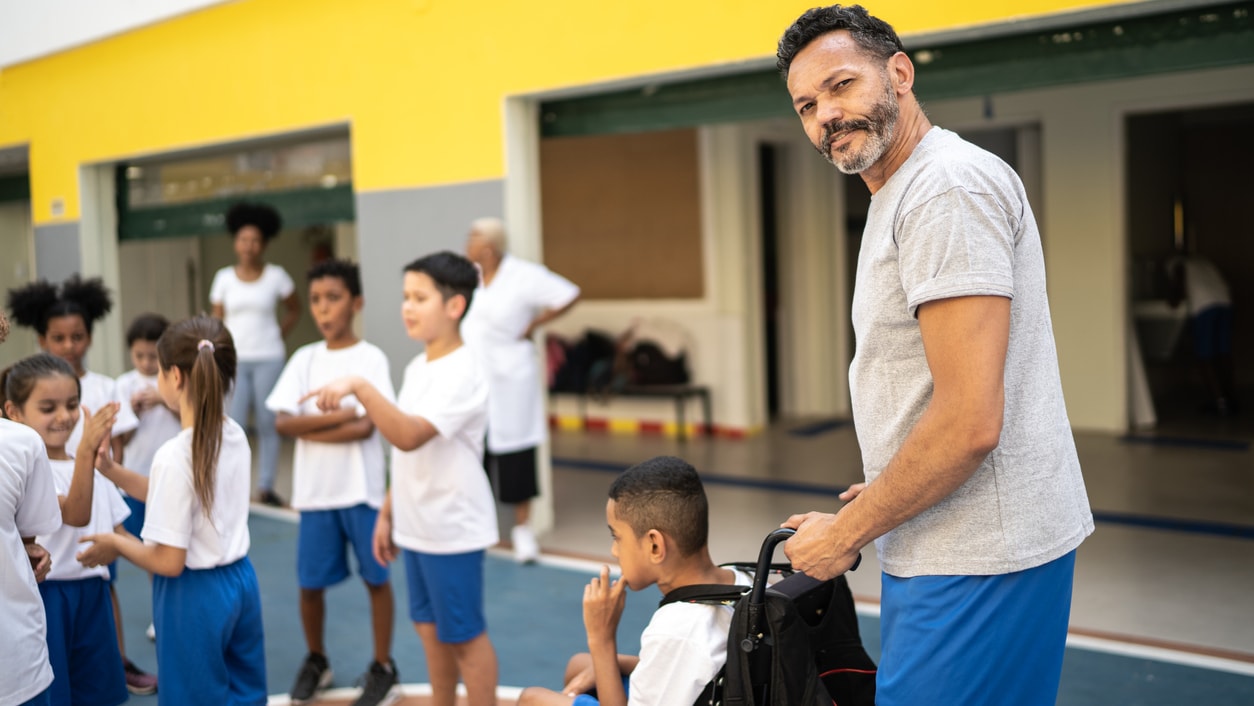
(380, 685)
(526, 549)
(138, 681)
(314, 675)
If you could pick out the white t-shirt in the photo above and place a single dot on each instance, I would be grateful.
(441, 500)
(249, 310)
(681, 650)
(327, 476)
(174, 516)
(493, 327)
(28, 508)
(98, 390)
(108, 510)
(157, 424)
(1204, 286)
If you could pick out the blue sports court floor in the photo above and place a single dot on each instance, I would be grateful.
(1163, 611)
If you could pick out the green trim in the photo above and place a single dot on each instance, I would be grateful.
(15, 187)
(300, 208)
(1199, 38)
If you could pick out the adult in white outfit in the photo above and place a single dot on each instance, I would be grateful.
(514, 298)
(244, 297)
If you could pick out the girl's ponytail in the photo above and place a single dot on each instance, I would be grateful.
(202, 349)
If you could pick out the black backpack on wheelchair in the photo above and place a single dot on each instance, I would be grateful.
(794, 643)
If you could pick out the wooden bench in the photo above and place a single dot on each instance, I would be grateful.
(679, 393)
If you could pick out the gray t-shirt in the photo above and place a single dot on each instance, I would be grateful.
(954, 221)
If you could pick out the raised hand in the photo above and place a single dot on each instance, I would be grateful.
(603, 603)
(97, 428)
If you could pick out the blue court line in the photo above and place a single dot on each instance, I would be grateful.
(1186, 442)
(1215, 529)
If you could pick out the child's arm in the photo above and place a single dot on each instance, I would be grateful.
(404, 431)
(300, 424)
(356, 430)
(603, 603)
(76, 503)
(132, 483)
(383, 547)
(585, 680)
(155, 558)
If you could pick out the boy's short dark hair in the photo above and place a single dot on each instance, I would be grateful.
(146, 327)
(453, 274)
(664, 493)
(346, 270)
(874, 36)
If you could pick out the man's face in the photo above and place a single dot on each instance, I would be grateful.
(846, 101)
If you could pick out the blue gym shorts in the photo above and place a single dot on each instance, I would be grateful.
(83, 644)
(325, 538)
(210, 647)
(447, 589)
(975, 640)
(135, 523)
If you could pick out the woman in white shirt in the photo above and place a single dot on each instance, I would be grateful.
(514, 298)
(244, 296)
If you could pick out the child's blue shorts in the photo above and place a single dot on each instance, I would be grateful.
(975, 640)
(447, 589)
(83, 643)
(210, 646)
(135, 523)
(323, 543)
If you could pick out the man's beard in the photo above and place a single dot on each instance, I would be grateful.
(879, 126)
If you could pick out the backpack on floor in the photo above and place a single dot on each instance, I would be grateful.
(795, 643)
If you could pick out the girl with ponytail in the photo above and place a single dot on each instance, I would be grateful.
(206, 603)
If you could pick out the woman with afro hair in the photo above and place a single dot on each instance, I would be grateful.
(244, 296)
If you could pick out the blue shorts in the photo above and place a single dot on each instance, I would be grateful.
(447, 589)
(43, 698)
(323, 543)
(975, 640)
(209, 638)
(592, 700)
(1212, 332)
(135, 523)
(83, 644)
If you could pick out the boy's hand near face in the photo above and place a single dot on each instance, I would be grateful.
(603, 603)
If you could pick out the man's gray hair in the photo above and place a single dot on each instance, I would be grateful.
(492, 230)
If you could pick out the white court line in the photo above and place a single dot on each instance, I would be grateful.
(503, 692)
(1080, 642)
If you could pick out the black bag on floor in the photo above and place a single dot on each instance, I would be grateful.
(795, 643)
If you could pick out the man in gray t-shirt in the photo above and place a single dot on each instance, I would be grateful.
(974, 495)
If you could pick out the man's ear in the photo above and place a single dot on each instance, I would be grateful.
(901, 73)
(656, 545)
(358, 302)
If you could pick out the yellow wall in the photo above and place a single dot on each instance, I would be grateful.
(421, 82)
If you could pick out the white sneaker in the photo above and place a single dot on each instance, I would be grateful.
(526, 549)
(151, 632)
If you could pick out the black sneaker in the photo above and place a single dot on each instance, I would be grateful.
(314, 675)
(380, 685)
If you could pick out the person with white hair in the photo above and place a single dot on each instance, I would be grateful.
(514, 298)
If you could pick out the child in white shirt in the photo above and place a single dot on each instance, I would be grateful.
(440, 510)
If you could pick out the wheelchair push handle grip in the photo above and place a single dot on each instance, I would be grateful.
(765, 557)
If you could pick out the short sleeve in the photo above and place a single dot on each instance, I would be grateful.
(454, 400)
(38, 512)
(550, 290)
(171, 504)
(957, 243)
(283, 283)
(217, 290)
(125, 421)
(289, 388)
